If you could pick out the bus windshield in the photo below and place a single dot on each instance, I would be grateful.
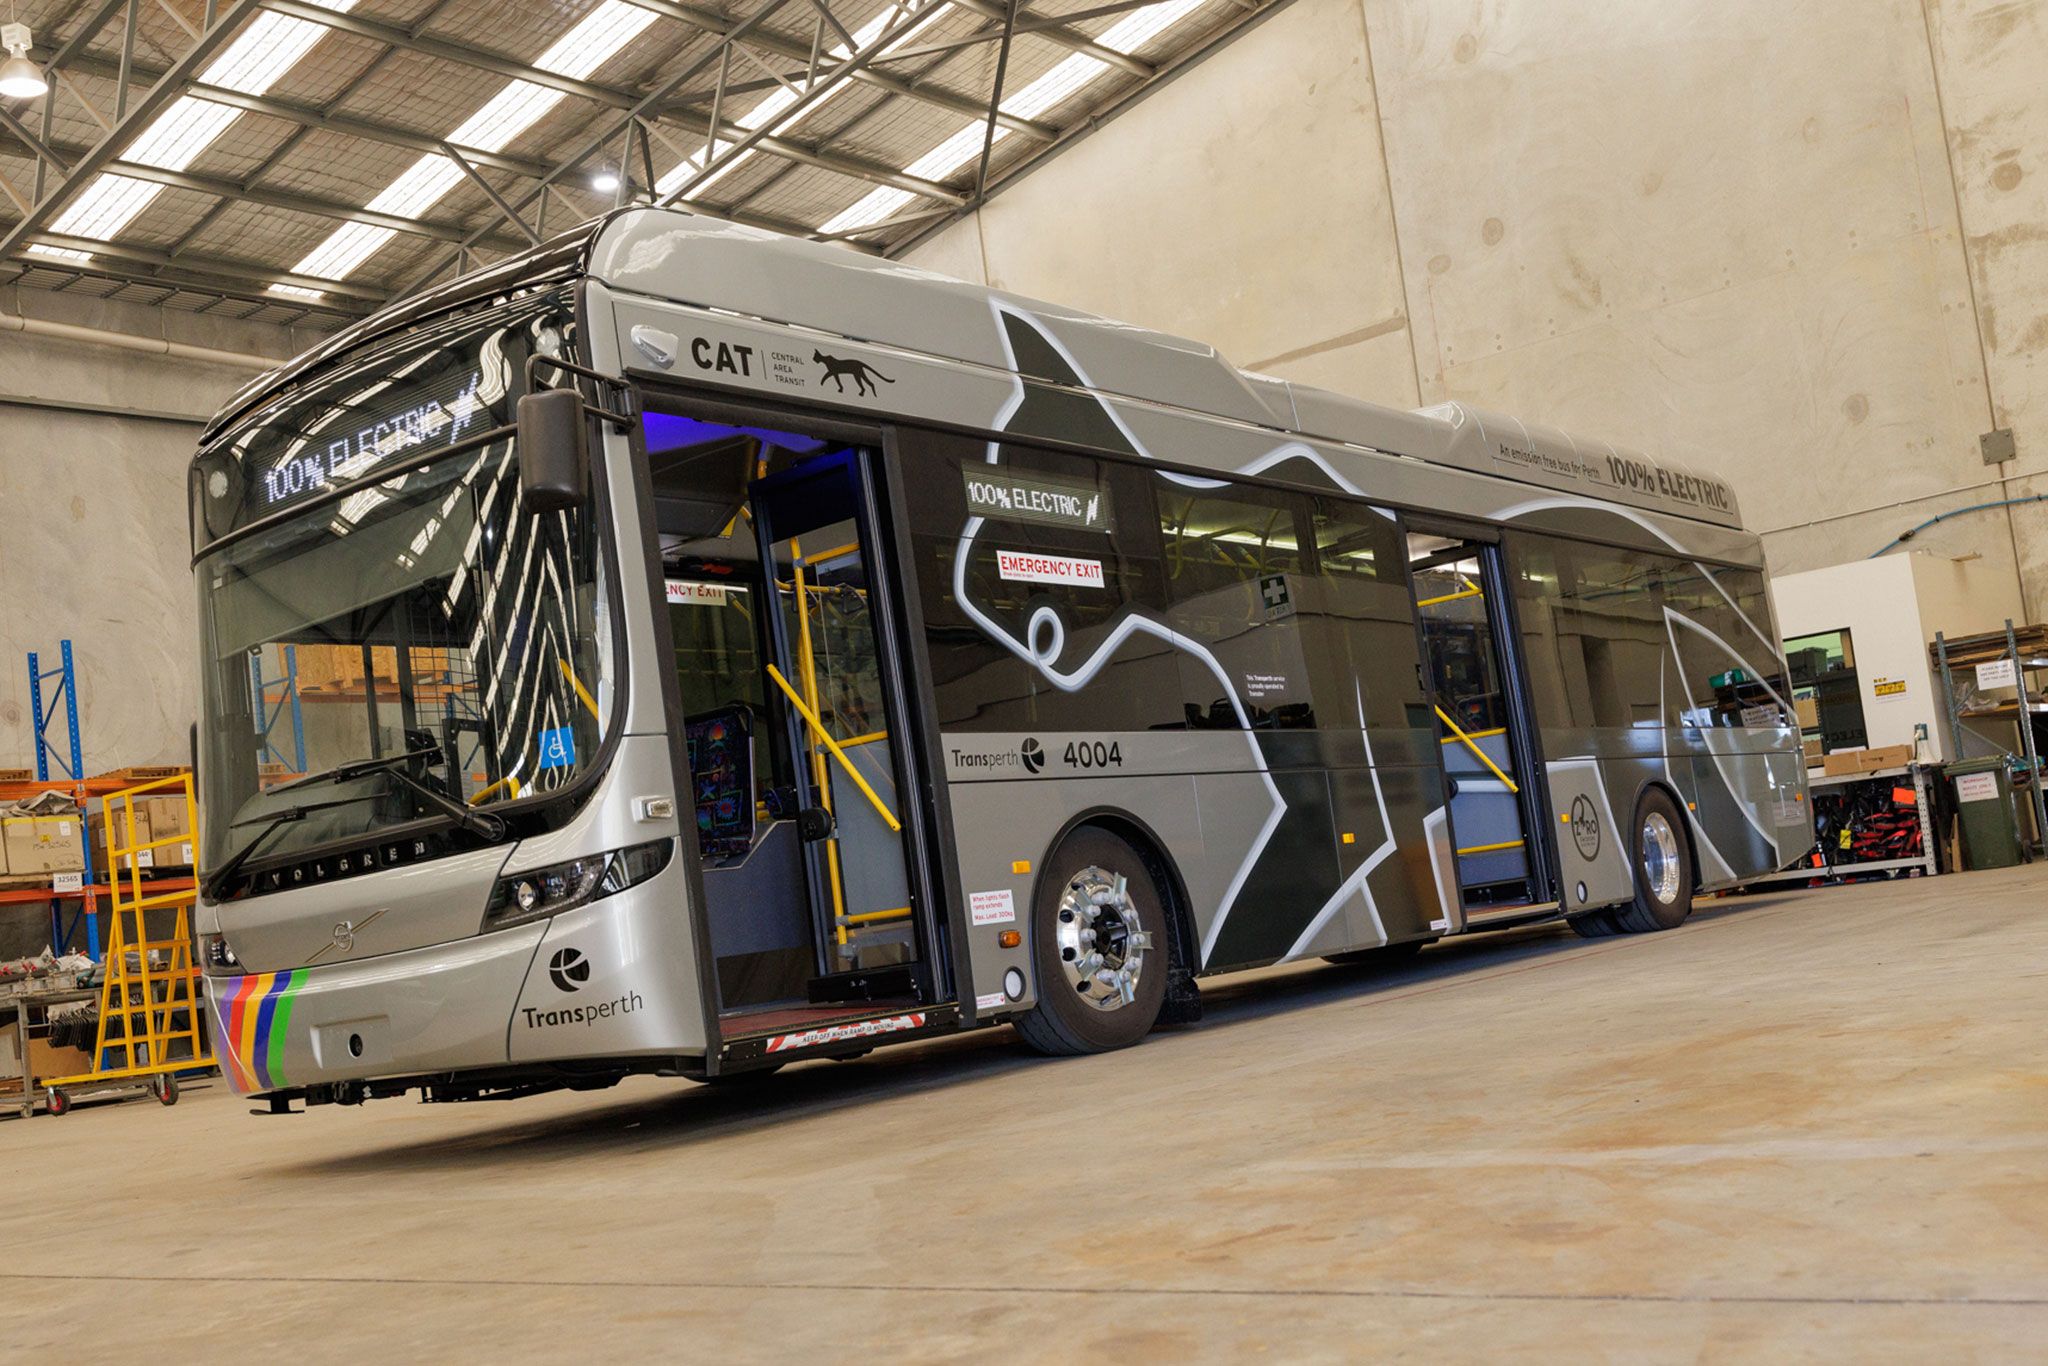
(428, 615)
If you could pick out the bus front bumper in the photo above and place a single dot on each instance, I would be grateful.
(443, 1008)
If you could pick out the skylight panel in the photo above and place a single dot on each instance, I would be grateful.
(515, 108)
(1055, 87)
(771, 106)
(269, 47)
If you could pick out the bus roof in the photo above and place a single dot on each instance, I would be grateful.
(689, 258)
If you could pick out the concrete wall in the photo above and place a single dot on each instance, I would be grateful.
(93, 542)
(1802, 245)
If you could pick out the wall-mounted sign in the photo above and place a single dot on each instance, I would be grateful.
(1887, 689)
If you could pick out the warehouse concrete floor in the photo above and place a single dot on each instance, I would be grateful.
(1804, 1124)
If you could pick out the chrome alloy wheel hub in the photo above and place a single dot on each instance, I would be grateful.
(1101, 940)
(1661, 869)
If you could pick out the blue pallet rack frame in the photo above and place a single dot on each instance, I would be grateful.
(71, 761)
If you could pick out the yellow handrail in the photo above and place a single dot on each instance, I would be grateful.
(868, 917)
(1452, 597)
(824, 738)
(1491, 848)
(1446, 716)
(809, 660)
(581, 691)
(1476, 735)
(509, 783)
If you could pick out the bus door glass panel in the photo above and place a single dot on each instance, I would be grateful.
(815, 539)
(1469, 697)
(742, 780)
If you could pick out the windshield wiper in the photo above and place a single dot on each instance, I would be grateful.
(492, 828)
(357, 768)
(272, 822)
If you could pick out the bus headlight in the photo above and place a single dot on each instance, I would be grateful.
(216, 956)
(542, 892)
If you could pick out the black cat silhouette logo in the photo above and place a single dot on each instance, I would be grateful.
(838, 371)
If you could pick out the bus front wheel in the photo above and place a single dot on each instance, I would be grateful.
(1099, 942)
(1662, 851)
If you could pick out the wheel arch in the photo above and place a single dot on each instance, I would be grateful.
(1182, 940)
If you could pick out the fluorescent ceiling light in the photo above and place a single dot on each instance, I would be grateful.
(770, 107)
(504, 117)
(270, 46)
(1055, 87)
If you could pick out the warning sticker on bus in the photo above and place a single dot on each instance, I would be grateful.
(992, 908)
(1021, 567)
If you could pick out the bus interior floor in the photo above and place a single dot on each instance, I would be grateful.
(1805, 1126)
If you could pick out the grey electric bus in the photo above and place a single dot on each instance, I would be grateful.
(682, 650)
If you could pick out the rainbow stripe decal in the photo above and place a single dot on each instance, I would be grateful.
(253, 1014)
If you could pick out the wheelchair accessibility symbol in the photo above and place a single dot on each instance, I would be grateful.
(558, 748)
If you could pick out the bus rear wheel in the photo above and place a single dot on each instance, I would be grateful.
(1099, 942)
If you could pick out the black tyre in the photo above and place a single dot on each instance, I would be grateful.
(1594, 925)
(58, 1103)
(1099, 943)
(1385, 956)
(165, 1088)
(1663, 867)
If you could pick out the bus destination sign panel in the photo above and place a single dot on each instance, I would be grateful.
(365, 436)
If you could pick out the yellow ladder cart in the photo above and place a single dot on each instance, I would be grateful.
(149, 1010)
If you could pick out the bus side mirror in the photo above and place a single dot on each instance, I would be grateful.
(554, 450)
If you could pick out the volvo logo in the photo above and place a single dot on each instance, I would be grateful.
(1585, 827)
(569, 969)
(1032, 755)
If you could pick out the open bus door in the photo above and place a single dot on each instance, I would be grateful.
(834, 677)
(819, 911)
(1499, 819)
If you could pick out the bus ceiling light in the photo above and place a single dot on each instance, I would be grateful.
(20, 78)
(542, 892)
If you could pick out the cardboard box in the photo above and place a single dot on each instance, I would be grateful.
(117, 813)
(45, 1059)
(1889, 756)
(1808, 711)
(1813, 753)
(337, 668)
(168, 815)
(1842, 762)
(43, 844)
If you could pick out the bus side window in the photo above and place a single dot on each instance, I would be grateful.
(1367, 635)
(1234, 583)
